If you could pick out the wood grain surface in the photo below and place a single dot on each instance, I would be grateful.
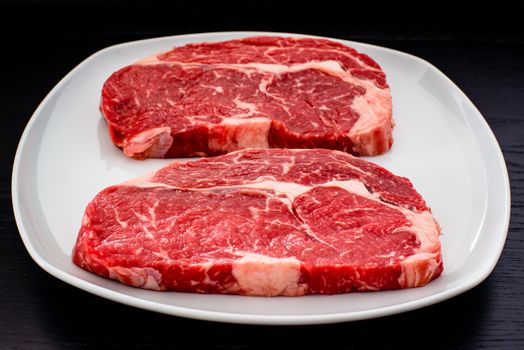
(482, 53)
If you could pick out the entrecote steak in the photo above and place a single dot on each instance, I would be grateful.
(207, 99)
(263, 222)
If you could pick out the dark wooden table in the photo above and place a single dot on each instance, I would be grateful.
(482, 53)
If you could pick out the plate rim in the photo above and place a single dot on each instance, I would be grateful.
(235, 317)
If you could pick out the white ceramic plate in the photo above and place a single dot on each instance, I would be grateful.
(442, 143)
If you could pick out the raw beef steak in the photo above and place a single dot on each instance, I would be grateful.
(212, 98)
(263, 222)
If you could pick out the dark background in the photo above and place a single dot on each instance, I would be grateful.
(480, 47)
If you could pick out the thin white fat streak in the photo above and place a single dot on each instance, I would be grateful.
(286, 166)
(328, 66)
(275, 68)
(290, 189)
(293, 190)
(345, 53)
(251, 108)
(218, 89)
